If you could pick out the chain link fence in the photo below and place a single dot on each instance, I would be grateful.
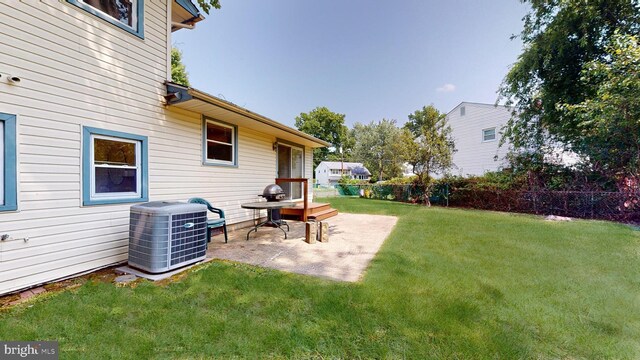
(617, 206)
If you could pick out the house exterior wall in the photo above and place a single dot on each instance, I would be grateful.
(308, 171)
(77, 70)
(322, 174)
(325, 177)
(475, 156)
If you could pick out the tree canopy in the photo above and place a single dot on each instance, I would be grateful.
(381, 147)
(179, 73)
(609, 120)
(428, 115)
(328, 126)
(206, 5)
(431, 148)
(559, 38)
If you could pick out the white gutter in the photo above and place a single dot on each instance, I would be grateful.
(182, 26)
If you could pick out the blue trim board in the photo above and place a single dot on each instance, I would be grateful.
(181, 93)
(139, 31)
(188, 5)
(10, 163)
(86, 166)
(205, 161)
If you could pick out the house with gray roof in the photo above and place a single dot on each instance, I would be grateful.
(330, 172)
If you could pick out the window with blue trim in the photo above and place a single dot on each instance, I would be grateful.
(115, 167)
(125, 14)
(220, 143)
(8, 163)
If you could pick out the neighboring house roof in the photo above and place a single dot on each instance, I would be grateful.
(355, 167)
(360, 170)
(476, 103)
(191, 99)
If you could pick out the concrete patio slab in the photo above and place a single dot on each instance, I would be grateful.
(354, 239)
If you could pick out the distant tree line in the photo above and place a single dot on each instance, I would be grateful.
(423, 143)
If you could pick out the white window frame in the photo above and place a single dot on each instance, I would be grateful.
(495, 134)
(233, 143)
(138, 167)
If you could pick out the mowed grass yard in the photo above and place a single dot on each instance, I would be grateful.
(447, 283)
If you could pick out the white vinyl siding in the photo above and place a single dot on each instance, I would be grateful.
(475, 152)
(79, 71)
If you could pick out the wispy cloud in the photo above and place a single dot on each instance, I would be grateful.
(446, 88)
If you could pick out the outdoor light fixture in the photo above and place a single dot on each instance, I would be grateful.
(275, 146)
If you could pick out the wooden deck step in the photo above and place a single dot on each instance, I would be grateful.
(324, 214)
(313, 207)
(317, 211)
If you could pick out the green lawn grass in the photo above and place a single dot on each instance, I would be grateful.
(447, 283)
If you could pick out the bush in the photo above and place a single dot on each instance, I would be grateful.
(401, 180)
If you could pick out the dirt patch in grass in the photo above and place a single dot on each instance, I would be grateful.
(106, 275)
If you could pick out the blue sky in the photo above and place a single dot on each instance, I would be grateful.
(366, 59)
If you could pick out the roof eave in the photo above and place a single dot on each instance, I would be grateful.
(177, 93)
(190, 7)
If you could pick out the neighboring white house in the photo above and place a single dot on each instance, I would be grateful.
(89, 126)
(330, 172)
(476, 134)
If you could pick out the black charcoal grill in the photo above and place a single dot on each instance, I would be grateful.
(273, 192)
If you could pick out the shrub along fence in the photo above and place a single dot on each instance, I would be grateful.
(616, 206)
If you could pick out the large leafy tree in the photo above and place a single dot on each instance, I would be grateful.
(428, 115)
(178, 71)
(431, 148)
(328, 126)
(560, 37)
(609, 120)
(381, 147)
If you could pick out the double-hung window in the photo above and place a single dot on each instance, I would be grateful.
(125, 14)
(220, 143)
(8, 163)
(488, 134)
(115, 167)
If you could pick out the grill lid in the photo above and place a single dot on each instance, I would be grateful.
(273, 192)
